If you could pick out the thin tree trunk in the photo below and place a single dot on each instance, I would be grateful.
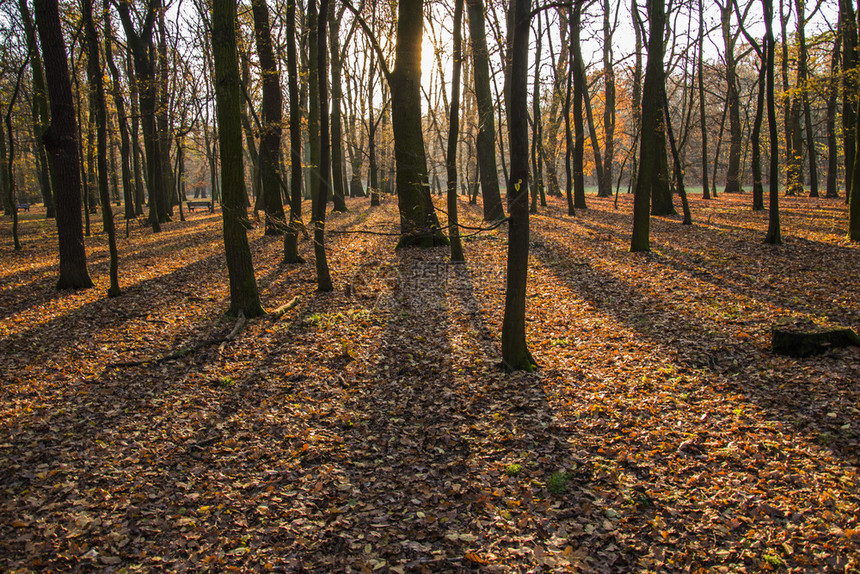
(39, 111)
(337, 164)
(270, 130)
(486, 142)
(453, 134)
(774, 235)
(97, 89)
(515, 351)
(324, 171)
(291, 237)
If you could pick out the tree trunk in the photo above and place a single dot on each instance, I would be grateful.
(244, 297)
(832, 95)
(418, 222)
(608, 104)
(291, 237)
(653, 142)
(61, 144)
(144, 64)
(324, 171)
(119, 102)
(848, 29)
(515, 351)
(270, 130)
(774, 235)
(453, 134)
(703, 124)
(39, 111)
(580, 93)
(97, 89)
(733, 174)
(486, 142)
(803, 84)
(337, 164)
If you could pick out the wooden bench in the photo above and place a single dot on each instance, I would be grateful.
(23, 207)
(199, 203)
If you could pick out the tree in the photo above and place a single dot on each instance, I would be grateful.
(270, 129)
(848, 31)
(39, 108)
(453, 134)
(291, 237)
(774, 235)
(730, 38)
(119, 102)
(418, 222)
(97, 93)
(324, 170)
(650, 180)
(486, 142)
(61, 143)
(244, 297)
(515, 351)
(142, 50)
(338, 184)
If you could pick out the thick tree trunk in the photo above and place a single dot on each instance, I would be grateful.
(418, 222)
(803, 84)
(61, 144)
(244, 297)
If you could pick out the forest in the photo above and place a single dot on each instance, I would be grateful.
(422, 286)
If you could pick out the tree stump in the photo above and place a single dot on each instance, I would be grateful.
(799, 338)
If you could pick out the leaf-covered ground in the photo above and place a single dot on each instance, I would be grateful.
(371, 429)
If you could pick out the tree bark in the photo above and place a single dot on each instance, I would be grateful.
(733, 174)
(453, 134)
(703, 124)
(270, 130)
(291, 237)
(39, 109)
(338, 184)
(324, 171)
(97, 89)
(418, 222)
(144, 65)
(848, 29)
(653, 139)
(486, 141)
(244, 297)
(61, 144)
(515, 351)
(774, 235)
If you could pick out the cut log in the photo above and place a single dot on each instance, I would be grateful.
(797, 338)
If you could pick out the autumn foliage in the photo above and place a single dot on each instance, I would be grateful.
(372, 429)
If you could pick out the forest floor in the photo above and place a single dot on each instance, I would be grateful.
(372, 429)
